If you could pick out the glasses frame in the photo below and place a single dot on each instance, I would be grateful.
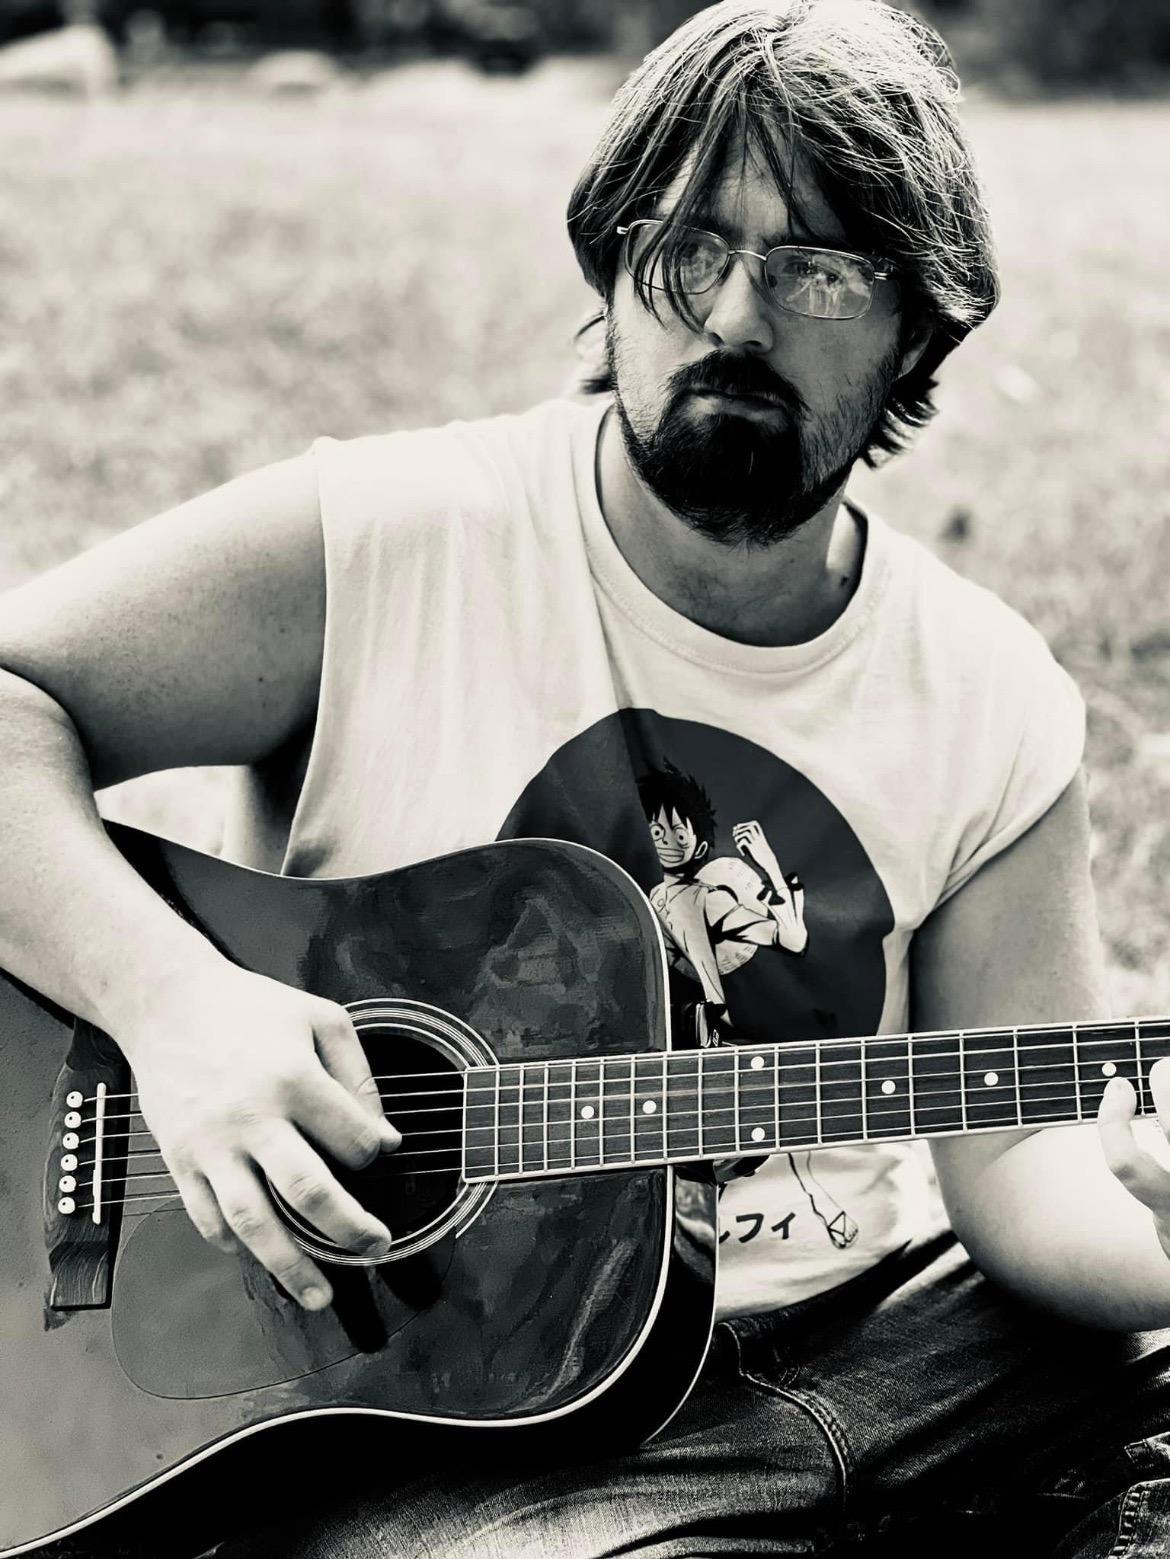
(881, 269)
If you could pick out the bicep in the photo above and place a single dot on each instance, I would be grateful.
(1017, 945)
(194, 638)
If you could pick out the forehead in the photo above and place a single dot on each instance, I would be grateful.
(671, 819)
(744, 202)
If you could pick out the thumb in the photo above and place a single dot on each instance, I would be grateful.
(343, 1058)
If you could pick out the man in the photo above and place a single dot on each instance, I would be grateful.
(423, 641)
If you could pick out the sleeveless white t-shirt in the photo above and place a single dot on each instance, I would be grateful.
(493, 668)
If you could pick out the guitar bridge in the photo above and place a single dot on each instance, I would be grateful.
(85, 1165)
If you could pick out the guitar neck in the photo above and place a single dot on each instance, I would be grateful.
(541, 1118)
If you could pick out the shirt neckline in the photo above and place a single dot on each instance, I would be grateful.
(660, 622)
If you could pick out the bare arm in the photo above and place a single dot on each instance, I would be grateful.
(1039, 1211)
(193, 639)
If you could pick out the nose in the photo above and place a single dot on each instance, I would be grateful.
(738, 317)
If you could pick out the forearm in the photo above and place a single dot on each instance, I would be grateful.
(1050, 1222)
(76, 921)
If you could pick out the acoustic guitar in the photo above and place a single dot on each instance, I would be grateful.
(553, 1210)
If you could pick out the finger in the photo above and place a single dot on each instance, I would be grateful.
(333, 1118)
(1141, 1175)
(1159, 1080)
(246, 1209)
(302, 1177)
(343, 1058)
(203, 1211)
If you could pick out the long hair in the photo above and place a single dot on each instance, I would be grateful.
(856, 95)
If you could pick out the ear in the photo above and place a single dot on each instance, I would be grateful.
(917, 341)
(701, 851)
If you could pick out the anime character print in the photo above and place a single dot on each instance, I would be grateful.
(717, 911)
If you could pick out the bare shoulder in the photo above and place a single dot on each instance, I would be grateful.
(1018, 944)
(193, 638)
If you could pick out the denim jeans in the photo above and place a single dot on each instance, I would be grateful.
(914, 1410)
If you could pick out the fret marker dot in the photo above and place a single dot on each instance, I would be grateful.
(587, 1112)
(649, 1107)
(757, 1134)
(991, 1078)
(1109, 1069)
(757, 1063)
(888, 1086)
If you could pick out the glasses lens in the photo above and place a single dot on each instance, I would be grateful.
(820, 282)
(688, 261)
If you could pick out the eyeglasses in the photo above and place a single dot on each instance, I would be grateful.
(818, 283)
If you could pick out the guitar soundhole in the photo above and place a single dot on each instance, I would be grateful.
(419, 1055)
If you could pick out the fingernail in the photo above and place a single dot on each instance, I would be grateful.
(314, 1298)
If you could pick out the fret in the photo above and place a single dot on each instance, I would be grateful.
(587, 1113)
(573, 1113)
(533, 1149)
(841, 1091)
(699, 1089)
(718, 1069)
(1153, 1044)
(560, 1119)
(886, 1065)
(649, 1117)
(682, 1106)
(633, 1117)
(481, 1136)
(864, 1105)
(962, 1090)
(1016, 1063)
(938, 1084)
(617, 1097)
(735, 1097)
(776, 1096)
(1048, 1087)
(797, 1098)
(1103, 1051)
(547, 1072)
(510, 1132)
(910, 1083)
(757, 1100)
(990, 1078)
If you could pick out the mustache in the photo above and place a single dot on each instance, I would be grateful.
(732, 374)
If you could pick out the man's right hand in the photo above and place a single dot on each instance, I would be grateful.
(240, 1077)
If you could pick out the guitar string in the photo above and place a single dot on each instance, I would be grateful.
(396, 1161)
(1116, 1029)
(680, 1086)
(711, 1076)
(518, 1174)
(875, 1105)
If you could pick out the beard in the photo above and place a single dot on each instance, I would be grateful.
(735, 478)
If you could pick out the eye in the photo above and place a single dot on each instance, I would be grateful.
(658, 833)
(680, 835)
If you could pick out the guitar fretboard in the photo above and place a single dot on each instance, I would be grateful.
(541, 1118)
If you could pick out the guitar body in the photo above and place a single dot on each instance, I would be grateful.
(571, 1312)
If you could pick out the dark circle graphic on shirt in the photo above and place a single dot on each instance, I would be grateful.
(789, 965)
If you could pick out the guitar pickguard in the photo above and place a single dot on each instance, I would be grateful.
(192, 1322)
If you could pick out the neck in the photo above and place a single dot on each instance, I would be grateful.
(784, 594)
(542, 1118)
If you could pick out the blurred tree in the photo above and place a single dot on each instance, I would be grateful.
(640, 25)
(1080, 40)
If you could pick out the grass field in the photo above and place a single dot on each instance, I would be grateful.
(195, 281)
